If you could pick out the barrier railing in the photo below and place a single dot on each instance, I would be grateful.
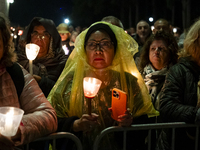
(54, 136)
(148, 127)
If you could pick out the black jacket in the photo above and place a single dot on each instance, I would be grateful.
(178, 102)
(48, 68)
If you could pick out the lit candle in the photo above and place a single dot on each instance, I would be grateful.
(9, 123)
(91, 87)
(10, 118)
(32, 51)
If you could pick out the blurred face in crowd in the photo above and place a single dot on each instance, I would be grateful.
(158, 54)
(64, 36)
(132, 30)
(73, 36)
(41, 37)
(99, 50)
(161, 25)
(1, 45)
(143, 29)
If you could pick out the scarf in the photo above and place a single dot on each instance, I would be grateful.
(154, 81)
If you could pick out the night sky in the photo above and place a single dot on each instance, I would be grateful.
(22, 11)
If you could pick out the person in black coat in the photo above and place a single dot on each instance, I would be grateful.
(180, 97)
(51, 59)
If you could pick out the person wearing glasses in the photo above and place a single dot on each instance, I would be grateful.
(103, 51)
(51, 58)
(19, 89)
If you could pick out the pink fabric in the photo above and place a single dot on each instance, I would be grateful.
(8, 93)
(39, 118)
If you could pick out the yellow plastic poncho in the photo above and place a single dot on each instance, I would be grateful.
(67, 96)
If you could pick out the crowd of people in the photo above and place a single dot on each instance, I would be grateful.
(159, 75)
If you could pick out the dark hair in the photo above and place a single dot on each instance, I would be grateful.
(49, 26)
(113, 20)
(104, 27)
(8, 50)
(34, 23)
(171, 45)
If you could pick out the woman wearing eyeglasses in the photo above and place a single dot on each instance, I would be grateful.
(103, 51)
(50, 60)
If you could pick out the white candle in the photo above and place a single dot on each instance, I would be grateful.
(91, 87)
(31, 67)
(9, 123)
(10, 118)
(32, 51)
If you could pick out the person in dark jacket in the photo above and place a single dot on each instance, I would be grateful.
(51, 59)
(180, 97)
(143, 32)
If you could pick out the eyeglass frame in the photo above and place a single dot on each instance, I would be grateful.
(99, 44)
(36, 35)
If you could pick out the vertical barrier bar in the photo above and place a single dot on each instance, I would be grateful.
(173, 138)
(124, 141)
(197, 138)
(27, 146)
(149, 139)
(54, 144)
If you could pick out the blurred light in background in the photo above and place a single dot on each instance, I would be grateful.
(174, 30)
(20, 32)
(152, 27)
(15, 36)
(151, 19)
(12, 28)
(66, 21)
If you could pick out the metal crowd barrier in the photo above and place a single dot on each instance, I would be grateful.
(148, 127)
(108, 130)
(59, 135)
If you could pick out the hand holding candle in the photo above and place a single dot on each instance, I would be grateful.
(10, 120)
(91, 87)
(32, 51)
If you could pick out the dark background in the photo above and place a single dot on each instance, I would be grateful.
(85, 12)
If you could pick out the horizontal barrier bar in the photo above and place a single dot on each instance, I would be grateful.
(149, 127)
(59, 135)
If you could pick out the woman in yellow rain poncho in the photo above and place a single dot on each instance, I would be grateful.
(103, 51)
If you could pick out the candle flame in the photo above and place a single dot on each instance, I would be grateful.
(91, 86)
(32, 51)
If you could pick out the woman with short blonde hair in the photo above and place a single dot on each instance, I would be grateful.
(180, 97)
